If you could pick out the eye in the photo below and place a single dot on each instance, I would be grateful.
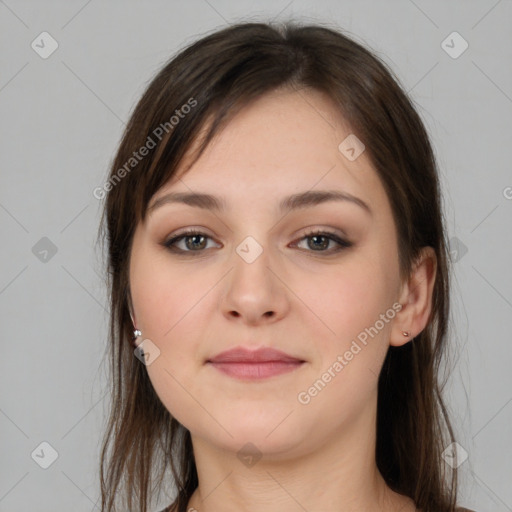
(194, 241)
(320, 240)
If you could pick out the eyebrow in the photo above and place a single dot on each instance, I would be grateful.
(293, 202)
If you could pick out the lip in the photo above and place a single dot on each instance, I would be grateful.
(261, 355)
(257, 364)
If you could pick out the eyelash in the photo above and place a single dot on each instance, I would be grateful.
(343, 244)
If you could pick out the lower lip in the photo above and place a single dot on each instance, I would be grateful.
(256, 371)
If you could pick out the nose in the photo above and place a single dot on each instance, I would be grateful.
(255, 292)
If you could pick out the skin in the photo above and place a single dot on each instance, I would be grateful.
(295, 297)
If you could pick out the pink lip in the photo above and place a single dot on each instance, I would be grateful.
(254, 364)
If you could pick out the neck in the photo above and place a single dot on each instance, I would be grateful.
(338, 475)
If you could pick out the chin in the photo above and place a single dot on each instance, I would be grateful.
(253, 441)
(265, 433)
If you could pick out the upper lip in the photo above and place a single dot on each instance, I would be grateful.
(244, 355)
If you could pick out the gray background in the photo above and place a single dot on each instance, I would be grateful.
(61, 119)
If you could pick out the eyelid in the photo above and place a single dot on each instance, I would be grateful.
(329, 230)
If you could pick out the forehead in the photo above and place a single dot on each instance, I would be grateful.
(282, 143)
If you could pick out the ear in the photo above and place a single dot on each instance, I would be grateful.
(416, 299)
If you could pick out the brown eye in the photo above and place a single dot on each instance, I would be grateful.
(195, 241)
(318, 241)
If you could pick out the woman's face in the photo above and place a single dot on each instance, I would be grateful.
(255, 277)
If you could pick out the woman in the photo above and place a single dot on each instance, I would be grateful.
(277, 257)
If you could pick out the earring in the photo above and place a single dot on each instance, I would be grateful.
(405, 333)
(136, 332)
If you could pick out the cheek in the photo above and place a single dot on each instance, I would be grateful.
(165, 295)
(348, 298)
(344, 377)
(354, 306)
(170, 307)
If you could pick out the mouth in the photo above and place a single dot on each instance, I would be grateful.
(258, 364)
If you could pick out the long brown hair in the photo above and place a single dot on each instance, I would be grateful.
(205, 85)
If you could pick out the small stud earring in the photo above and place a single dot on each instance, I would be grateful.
(137, 333)
(405, 333)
